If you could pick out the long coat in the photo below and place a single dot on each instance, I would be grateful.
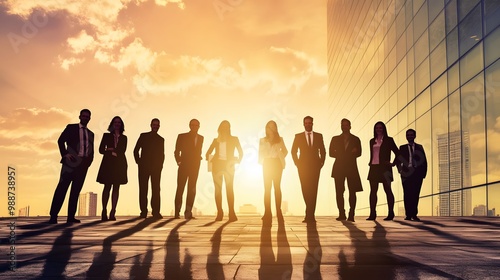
(345, 165)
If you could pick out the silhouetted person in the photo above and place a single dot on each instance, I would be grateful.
(346, 148)
(309, 163)
(188, 156)
(76, 145)
(272, 153)
(412, 166)
(113, 170)
(380, 171)
(150, 162)
(223, 162)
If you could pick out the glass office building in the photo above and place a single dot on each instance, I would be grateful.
(429, 65)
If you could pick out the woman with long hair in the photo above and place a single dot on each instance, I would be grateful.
(272, 153)
(380, 171)
(223, 162)
(113, 170)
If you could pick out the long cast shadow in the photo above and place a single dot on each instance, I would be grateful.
(312, 262)
(373, 258)
(140, 269)
(214, 267)
(58, 257)
(174, 269)
(104, 262)
(270, 267)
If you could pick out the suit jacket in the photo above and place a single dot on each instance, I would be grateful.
(314, 156)
(152, 147)
(387, 146)
(233, 143)
(69, 143)
(419, 167)
(186, 152)
(345, 165)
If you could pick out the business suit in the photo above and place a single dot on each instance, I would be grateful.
(188, 156)
(150, 162)
(309, 163)
(381, 172)
(224, 168)
(412, 174)
(346, 149)
(73, 171)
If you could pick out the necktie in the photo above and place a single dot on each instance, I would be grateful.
(411, 162)
(346, 143)
(84, 132)
(309, 139)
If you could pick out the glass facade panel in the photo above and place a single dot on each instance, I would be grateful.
(422, 76)
(473, 124)
(470, 30)
(420, 22)
(437, 31)
(454, 111)
(423, 103)
(451, 15)
(471, 64)
(438, 154)
(492, 79)
(491, 49)
(494, 200)
(438, 60)
(478, 202)
(453, 78)
(491, 14)
(439, 90)
(452, 47)
(424, 138)
(464, 7)
(435, 7)
(421, 49)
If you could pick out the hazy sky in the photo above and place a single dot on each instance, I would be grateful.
(243, 61)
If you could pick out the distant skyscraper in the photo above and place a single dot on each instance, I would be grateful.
(480, 210)
(454, 173)
(87, 204)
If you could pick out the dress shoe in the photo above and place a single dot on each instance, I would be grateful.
(416, 219)
(177, 217)
(341, 218)
(157, 216)
(351, 219)
(219, 216)
(407, 219)
(371, 218)
(112, 215)
(52, 221)
(190, 218)
(389, 218)
(73, 221)
(144, 216)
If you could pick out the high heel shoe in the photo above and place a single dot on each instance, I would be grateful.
(389, 217)
(112, 215)
(104, 215)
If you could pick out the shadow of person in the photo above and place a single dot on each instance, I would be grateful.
(174, 269)
(271, 267)
(370, 256)
(104, 261)
(140, 269)
(58, 258)
(214, 268)
(312, 263)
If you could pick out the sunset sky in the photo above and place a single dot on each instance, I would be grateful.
(244, 61)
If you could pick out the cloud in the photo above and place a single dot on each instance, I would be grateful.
(33, 123)
(281, 70)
